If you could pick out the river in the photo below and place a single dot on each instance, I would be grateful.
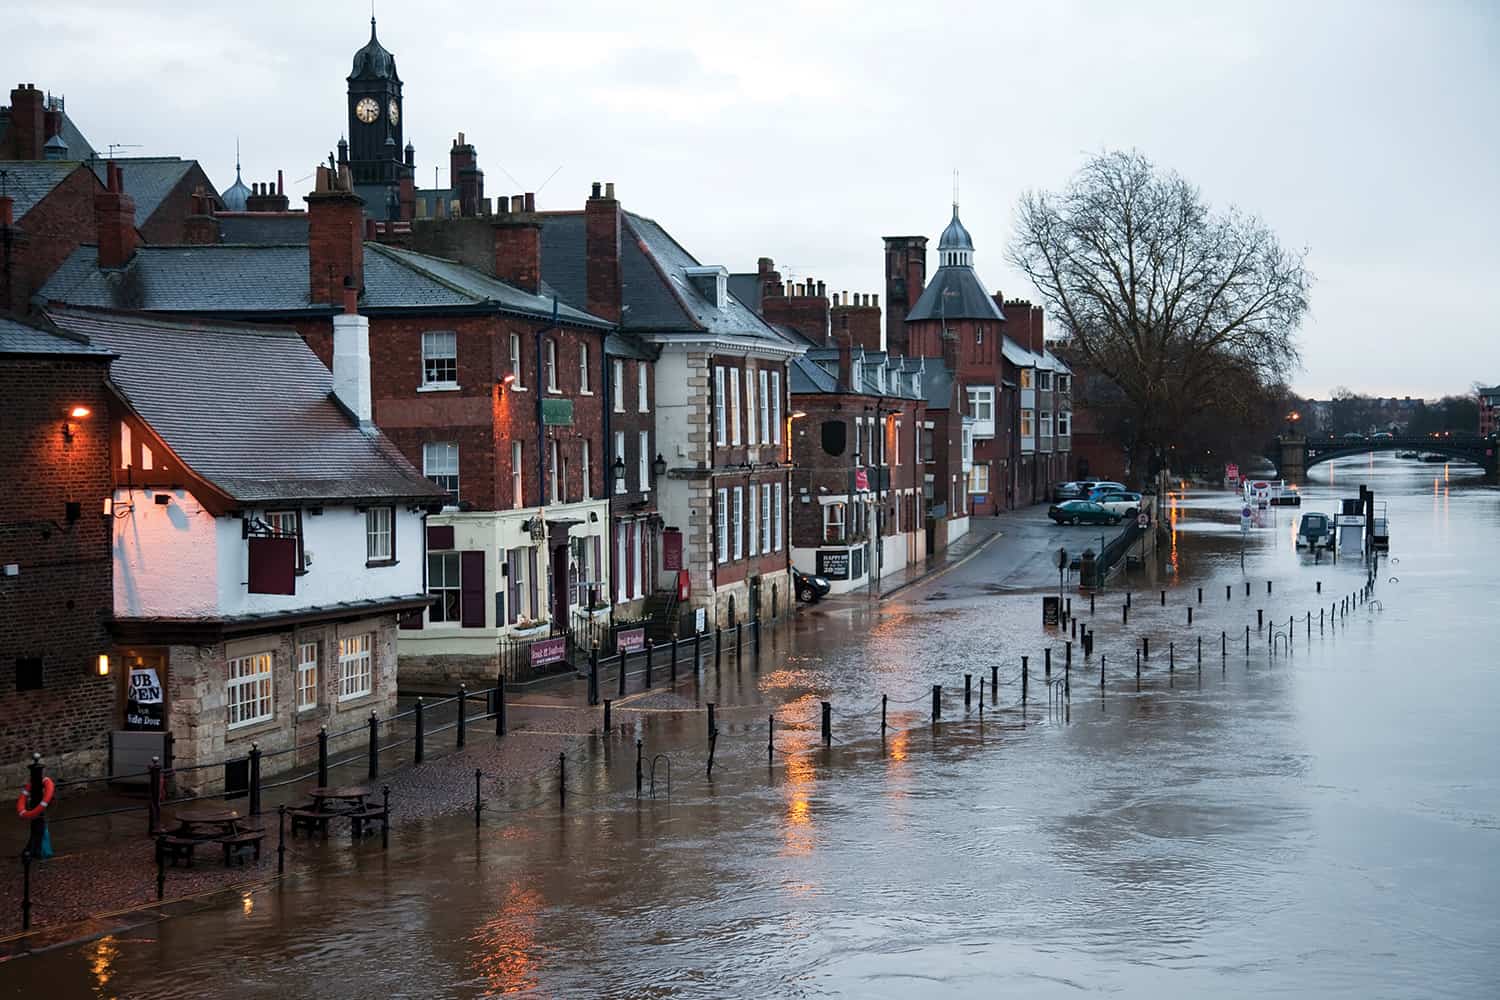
(1323, 822)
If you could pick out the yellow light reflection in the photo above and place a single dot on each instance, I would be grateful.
(247, 904)
(102, 962)
(508, 942)
(899, 745)
(1172, 515)
(797, 831)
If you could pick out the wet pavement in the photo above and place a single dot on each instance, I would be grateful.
(1320, 821)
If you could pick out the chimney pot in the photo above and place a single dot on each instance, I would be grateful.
(609, 189)
(517, 203)
(280, 187)
(351, 295)
(596, 189)
(530, 201)
(765, 265)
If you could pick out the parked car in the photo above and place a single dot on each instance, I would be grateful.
(1082, 512)
(1104, 486)
(810, 589)
(1121, 502)
(1077, 489)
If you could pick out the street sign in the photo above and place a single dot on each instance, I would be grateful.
(1061, 559)
(1142, 519)
(1051, 611)
(557, 412)
(700, 619)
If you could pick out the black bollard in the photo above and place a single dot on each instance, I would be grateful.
(771, 737)
(638, 770)
(1171, 657)
(1200, 652)
(672, 661)
(1190, 616)
(968, 690)
(650, 648)
(1073, 627)
(1145, 647)
(1068, 680)
(718, 646)
(562, 781)
(153, 801)
(281, 839)
(1247, 588)
(624, 657)
(374, 745)
(607, 704)
(1069, 611)
(1127, 599)
(419, 738)
(500, 705)
(697, 652)
(1260, 618)
(463, 713)
(1268, 586)
(1247, 640)
(882, 716)
(594, 676)
(1223, 643)
(1047, 654)
(322, 756)
(739, 643)
(712, 725)
(477, 802)
(1163, 598)
(1024, 682)
(713, 743)
(1200, 595)
(385, 824)
(254, 779)
(827, 724)
(1091, 605)
(1137, 669)
(937, 702)
(161, 876)
(1068, 653)
(1320, 586)
(1125, 615)
(756, 637)
(1102, 659)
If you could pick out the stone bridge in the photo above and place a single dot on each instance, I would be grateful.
(1295, 454)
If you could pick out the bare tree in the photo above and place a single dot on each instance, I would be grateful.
(1173, 302)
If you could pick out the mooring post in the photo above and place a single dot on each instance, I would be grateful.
(739, 643)
(1200, 595)
(882, 715)
(771, 737)
(322, 756)
(607, 704)
(827, 724)
(994, 682)
(1247, 588)
(1102, 658)
(1268, 586)
(1226, 592)
(718, 646)
(500, 705)
(1260, 618)
(1024, 683)
(1247, 640)
(281, 839)
(153, 801)
(1320, 586)
(1163, 598)
(1091, 605)
(650, 648)
(1145, 647)
(254, 778)
(562, 781)
(594, 676)
(1068, 653)
(937, 702)
(1190, 616)
(1171, 657)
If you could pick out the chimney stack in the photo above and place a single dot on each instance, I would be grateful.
(351, 356)
(199, 228)
(603, 282)
(465, 176)
(28, 130)
(114, 212)
(518, 254)
(846, 361)
(335, 225)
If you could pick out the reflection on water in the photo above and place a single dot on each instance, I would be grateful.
(1322, 823)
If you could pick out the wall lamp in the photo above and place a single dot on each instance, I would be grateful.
(76, 413)
(103, 666)
(659, 466)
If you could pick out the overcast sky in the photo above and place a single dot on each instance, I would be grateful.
(1365, 132)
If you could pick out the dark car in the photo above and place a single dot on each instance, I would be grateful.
(1075, 490)
(1082, 512)
(810, 589)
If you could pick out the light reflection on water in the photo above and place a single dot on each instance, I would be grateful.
(1318, 824)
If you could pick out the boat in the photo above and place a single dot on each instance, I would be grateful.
(1428, 456)
(1407, 454)
(1268, 493)
(1315, 531)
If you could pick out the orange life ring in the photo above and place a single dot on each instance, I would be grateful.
(48, 789)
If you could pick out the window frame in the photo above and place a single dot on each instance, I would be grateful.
(1044, 381)
(776, 406)
(737, 523)
(720, 407)
(975, 487)
(735, 435)
(835, 515)
(643, 460)
(456, 492)
(765, 518)
(373, 533)
(437, 611)
(517, 363)
(585, 459)
(555, 483)
(307, 675)
(264, 680)
(549, 364)
(753, 534)
(517, 476)
(765, 407)
(360, 652)
(751, 425)
(777, 513)
(621, 484)
(721, 532)
(643, 387)
(1026, 379)
(1064, 428)
(583, 370)
(430, 355)
(617, 385)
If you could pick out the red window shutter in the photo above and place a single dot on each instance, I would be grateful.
(630, 559)
(273, 565)
(671, 550)
(532, 580)
(471, 589)
(439, 537)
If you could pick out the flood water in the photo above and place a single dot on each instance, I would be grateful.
(1319, 823)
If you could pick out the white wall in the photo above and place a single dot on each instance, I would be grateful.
(176, 560)
(676, 417)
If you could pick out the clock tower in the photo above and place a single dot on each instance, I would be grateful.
(375, 118)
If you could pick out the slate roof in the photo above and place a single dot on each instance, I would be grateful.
(656, 293)
(148, 179)
(231, 279)
(1016, 354)
(957, 293)
(374, 62)
(78, 147)
(747, 288)
(250, 409)
(262, 227)
(29, 181)
(21, 338)
(808, 377)
(955, 237)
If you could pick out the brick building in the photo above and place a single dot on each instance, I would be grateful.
(1489, 410)
(263, 550)
(46, 211)
(1045, 403)
(55, 578)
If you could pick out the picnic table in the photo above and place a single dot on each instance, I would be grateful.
(206, 823)
(336, 802)
(340, 799)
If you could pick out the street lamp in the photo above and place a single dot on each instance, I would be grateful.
(659, 467)
(619, 468)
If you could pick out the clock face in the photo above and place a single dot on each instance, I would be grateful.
(367, 110)
(394, 112)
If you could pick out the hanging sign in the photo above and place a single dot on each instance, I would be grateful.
(143, 701)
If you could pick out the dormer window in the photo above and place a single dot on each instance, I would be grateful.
(710, 282)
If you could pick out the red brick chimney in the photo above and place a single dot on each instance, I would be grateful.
(518, 254)
(1023, 323)
(28, 129)
(846, 361)
(114, 213)
(335, 225)
(465, 176)
(200, 228)
(905, 277)
(601, 224)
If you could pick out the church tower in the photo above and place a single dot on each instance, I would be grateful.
(375, 121)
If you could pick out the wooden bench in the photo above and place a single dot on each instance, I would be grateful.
(368, 815)
(309, 820)
(236, 845)
(177, 848)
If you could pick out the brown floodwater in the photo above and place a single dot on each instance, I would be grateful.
(1318, 822)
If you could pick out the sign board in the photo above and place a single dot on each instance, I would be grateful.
(833, 563)
(630, 640)
(545, 651)
(1231, 472)
(700, 620)
(1051, 611)
(1142, 519)
(1061, 559)
(143, 700)
(557, 412)
(671, 550)
(861, 479)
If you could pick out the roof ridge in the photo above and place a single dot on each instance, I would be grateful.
(193, 323)
(389, 254)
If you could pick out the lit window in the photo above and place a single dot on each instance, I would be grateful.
(1025, 378)
(833, 523)
(979, 478)
(248, 692)
(356, 672)
(379, 537)
(1026, 423)
(307, 676)
(443, 584)
(440, 464)
(440, 359)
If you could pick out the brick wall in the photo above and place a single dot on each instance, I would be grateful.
(168, 224)
(56, 606)
(47, 234)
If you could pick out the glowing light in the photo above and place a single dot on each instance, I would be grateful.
(103, 665)
(247, 904)
(79, 412)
